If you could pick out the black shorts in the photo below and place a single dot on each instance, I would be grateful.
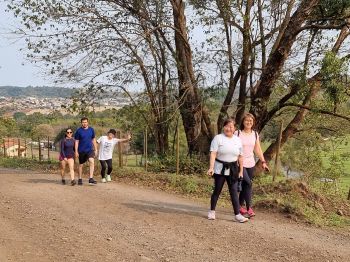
(84, 156)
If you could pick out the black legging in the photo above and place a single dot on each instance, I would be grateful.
(246, 193)
(219, 181)
(103, 167)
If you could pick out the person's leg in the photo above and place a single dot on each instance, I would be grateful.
(219, 181)
(110, 167)
(232, 187)
(71, 168)
(91, 167)
(246, 183)
(103, 168)
(248, 190)
(63, 169)
(80, 171)
(83, 157)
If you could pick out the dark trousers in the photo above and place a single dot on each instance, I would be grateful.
(246, 194)
(104, 164)
(219, 181)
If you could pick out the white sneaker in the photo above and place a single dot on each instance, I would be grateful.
(109, 179)
(211, 215)
(103, 180)
(241, 219)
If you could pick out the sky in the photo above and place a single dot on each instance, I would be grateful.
(15, 70)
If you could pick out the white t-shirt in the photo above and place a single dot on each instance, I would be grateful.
(228, 149)
(106, 147)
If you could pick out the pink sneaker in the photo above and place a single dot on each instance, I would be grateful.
(211, 215)
(251, 212)
(243, 211)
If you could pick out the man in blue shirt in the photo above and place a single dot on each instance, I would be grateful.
(85, 148)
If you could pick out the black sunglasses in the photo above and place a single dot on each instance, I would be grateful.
(69, 132)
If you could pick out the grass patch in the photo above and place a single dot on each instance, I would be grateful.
(300, 201)
(29, 164)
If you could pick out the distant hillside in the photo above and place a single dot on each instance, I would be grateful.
(39, 91)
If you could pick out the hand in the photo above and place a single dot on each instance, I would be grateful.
(240, 174)
(129, 136)
(210, 172)
(265, 167)
(77, 155)
(65, 159)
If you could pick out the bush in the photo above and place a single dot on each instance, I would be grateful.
(188, 166)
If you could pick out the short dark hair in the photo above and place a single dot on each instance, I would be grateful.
(112, 131)
(229, 120)
(84, 118)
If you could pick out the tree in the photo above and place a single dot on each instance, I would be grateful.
(43, 131)
(123, 43)
(270, 57)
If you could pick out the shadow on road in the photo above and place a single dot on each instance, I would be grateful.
(43, 181)
(152, 207)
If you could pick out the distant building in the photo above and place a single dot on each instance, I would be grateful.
(12, 147)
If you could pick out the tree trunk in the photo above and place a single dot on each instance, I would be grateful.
(247, 49)
(194, 116)
(276, 61)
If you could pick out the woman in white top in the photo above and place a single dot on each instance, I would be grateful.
(226, 153)
(105, 152)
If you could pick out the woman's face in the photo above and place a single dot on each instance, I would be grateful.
(229, 129)
(248, 123)
(69, 133)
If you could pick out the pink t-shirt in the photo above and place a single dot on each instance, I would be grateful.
(248, 142)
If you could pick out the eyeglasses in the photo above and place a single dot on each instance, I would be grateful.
(69, 132)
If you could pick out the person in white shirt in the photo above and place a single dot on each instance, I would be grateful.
(105, 152)
(226, 164)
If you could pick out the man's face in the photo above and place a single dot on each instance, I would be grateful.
(84, 123)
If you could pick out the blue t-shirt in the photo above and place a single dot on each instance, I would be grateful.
(85, 137)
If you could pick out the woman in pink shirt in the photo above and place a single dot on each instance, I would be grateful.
(251, 144)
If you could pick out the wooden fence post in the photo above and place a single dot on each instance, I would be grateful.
(177, 151)
(8, 145)
(278, 152)
(25, 148)
(31, 148)
(145, 149)
(48, 148)
(40, 156)
(120, 157)
(4, 143)
(19, 148)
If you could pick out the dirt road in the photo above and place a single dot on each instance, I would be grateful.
(41, 220)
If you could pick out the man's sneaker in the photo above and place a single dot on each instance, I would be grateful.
(63, 182)
(80, 182)
(92, 181)
(243, 211)
(251, 212)
(211, 215)
(103, 180)
(109, 179)
(241, 219)
(73, 183)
